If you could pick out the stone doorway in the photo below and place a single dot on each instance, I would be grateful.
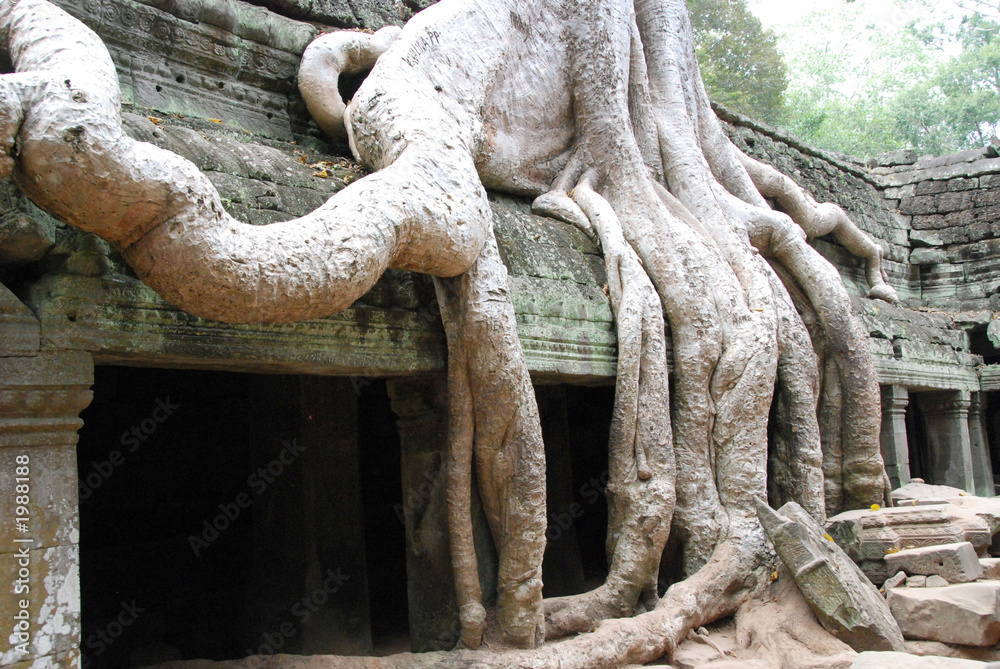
(225, 514)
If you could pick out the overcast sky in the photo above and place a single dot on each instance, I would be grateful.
(885, 15)
(781, 13)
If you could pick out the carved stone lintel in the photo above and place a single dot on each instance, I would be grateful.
(867, 535)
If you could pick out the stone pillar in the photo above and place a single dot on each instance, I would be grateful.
(310, 587)
(946, 419)
(982, 467)
(421, 403)
(895, 452)
(41, 397)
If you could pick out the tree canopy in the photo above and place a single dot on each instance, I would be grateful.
(921, 77)
(739, 58)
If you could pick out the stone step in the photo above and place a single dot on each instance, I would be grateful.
(966, 613)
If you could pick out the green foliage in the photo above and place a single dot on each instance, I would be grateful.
(958, 107)
(912, 79)
(739, 60)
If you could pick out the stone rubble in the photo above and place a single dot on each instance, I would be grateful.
(991, 567)
(838, 592)
(894, 581)
(956, 563)
(935, 581)
(869, 535)
(966, 613)
(872, 660)
(939, 591)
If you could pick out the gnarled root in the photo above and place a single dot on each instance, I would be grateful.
(642, 471)
(862, 468)
(494, 416)
(798, 457)
(325, 59)
(736, 572)
(822, 219)
(670, 186)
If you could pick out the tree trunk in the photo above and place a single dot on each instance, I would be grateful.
(525, 98)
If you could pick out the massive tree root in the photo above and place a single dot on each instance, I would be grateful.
(596, 109)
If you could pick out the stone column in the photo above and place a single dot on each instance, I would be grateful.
(41, 397)
(310, 586)
(982, 467)
(946, 419)
(421, 403)
(895, 451)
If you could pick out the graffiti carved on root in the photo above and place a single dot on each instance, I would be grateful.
(595, 109)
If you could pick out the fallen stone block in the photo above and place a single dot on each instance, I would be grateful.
(956, 563)
(935, 581)
(916, 582)
(991, 567)
(925, 491)
(987, 508)
(964, 613)
(906, 661)
(867, 535)
(923, 648)
(917, 494)
(894, 581)
(841, 596)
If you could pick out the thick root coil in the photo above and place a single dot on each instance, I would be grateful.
(599, 113)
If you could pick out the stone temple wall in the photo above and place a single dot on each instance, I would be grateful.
(952, 205)
(926, 341)
(213, 80)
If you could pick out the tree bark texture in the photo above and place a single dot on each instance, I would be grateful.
(596, 110)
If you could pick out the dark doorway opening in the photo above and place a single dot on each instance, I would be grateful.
(916, 441)
(991, 415)
(576, 422)
(385, 532)
(226, 514)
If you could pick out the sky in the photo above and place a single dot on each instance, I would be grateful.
(886, 16)
(782, 15)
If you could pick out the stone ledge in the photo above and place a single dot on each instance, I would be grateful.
(925, 376)
(989, 378)
(126, 323)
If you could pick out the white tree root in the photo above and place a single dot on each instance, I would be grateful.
(680, 215)
(822, 219)
(493, 407)
(798, 448)
(640, 488)
(325, 59)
